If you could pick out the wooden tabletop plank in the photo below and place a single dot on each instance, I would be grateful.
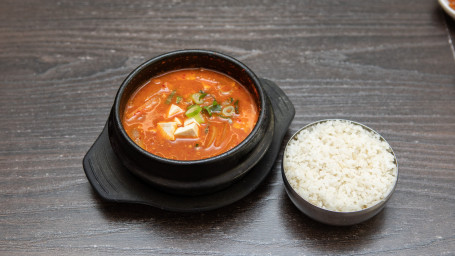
(387, 64)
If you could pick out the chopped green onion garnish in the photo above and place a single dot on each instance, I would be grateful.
(215, 106)
(236, 106)
(178, 99)
(197, 98)
(209, 110)
(203, 94)
(169, 98)
(193, 110)
(199, 118)
(225, 117)
(228, 111)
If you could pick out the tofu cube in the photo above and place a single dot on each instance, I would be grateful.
(190, 121)
(174, 110)
(188, 131)
(178, 121)
(167, 129)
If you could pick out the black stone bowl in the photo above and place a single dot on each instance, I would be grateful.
(199, 176)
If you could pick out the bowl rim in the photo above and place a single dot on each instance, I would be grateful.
(223, 156)
(373, 207)
(445, 5)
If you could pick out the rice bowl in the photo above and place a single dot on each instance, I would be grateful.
(340, 166)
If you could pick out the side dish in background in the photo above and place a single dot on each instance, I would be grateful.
(448, 6)
(190, 114)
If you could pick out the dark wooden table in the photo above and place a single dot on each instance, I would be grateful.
(388, 64)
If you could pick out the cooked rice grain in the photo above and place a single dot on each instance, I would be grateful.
(340, 166)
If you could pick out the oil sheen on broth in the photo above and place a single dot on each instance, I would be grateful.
(190, 114)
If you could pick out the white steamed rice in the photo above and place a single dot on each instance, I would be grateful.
(340, 166)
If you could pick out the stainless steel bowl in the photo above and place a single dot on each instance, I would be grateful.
(334, 217)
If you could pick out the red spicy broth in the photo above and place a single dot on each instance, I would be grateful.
(190, 114)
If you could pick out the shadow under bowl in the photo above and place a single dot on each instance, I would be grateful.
(334, 217)
(193, 177)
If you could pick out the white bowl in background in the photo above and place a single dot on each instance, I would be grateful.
(445, 5)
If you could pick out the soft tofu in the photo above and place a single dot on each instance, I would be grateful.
(167, 129)
(178, 121)
(190, 121)
(174, 110)
(188, 131)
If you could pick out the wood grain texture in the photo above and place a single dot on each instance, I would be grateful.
(387, 64)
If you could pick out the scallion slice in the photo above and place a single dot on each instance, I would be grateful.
(202, 95)
(169, 98)
(193, 110)
(215, 107)
(228, 111)
(199, 118)
(196, 97)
